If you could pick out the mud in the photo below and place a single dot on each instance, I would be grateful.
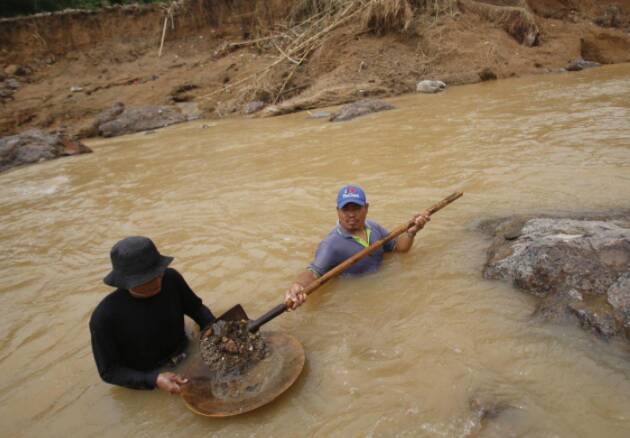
(229, 349)
(78, 64)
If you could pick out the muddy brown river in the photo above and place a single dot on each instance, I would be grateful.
(242, 204)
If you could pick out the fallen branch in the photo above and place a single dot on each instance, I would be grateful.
(169, 14)
(285, 55)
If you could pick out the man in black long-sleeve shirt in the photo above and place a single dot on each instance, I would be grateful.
(140, 326)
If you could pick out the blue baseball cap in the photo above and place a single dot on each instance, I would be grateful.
(351, 194)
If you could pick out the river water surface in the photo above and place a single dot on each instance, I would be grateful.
(242, 204)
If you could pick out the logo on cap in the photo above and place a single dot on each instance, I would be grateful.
(350, 194)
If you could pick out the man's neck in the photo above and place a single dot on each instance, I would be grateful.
(360, 232)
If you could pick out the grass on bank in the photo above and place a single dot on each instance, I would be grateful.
(14, 8)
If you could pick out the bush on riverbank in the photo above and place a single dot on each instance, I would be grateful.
(12, 8)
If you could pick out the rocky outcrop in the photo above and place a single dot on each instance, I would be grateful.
(360, 108)
(138, 119)
(578, 267)
(484, 409)
(34, 146)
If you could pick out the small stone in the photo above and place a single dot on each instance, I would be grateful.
(13, 84)
(253, 107)
(318, 114)
(429, 86)
(231, 346)
(576, 295)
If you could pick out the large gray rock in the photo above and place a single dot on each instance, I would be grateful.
(34, 146)
(580, 267)
(132, 120)
(360, 108)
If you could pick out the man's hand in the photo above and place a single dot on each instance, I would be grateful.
(420, 221)
(295, 296)
(170, 382)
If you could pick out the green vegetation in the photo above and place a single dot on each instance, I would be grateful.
(12, 8)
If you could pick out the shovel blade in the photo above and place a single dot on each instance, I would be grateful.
(236, 313)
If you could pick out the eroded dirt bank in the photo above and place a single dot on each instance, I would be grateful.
(61, 70)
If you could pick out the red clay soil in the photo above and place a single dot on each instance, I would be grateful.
(112, 56)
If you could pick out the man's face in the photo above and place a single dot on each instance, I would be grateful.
(352, 216)
(148, 289)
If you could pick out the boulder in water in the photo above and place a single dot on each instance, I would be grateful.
(581, 64)
(34, 146)
(576, 266)
(360, 108)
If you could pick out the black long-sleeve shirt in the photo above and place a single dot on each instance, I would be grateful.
(131, 337)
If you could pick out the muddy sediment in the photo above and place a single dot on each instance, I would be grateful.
(229, 349)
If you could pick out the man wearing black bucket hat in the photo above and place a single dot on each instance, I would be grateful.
(139, 328)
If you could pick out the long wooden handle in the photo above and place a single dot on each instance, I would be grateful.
(342, 267)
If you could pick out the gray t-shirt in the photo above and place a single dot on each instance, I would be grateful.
(340, 245)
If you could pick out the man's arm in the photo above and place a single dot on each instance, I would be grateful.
(405, 240)
(111, 371)
(325, 260)
(295, 296)
(108, 364)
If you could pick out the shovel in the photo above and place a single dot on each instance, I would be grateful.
(237, 313)
(276, 373)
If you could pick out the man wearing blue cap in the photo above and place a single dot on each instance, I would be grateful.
(352, 234)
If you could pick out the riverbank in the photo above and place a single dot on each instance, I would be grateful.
(61, 70)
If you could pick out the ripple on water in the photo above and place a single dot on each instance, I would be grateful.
(241, 206)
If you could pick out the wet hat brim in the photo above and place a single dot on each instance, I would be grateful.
(117, 279)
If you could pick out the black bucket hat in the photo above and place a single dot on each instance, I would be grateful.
(135, 261)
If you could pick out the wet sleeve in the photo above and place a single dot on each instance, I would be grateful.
(389, 246)
(108, 364)
(193, 306)
(325, 259)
